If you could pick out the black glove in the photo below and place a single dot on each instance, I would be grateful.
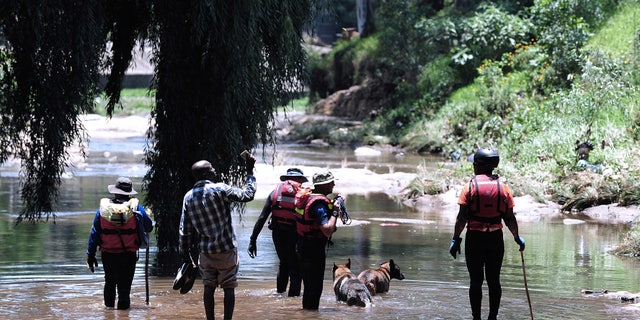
(253, 249)
(454, 247)
(92, 262)
(520, 241)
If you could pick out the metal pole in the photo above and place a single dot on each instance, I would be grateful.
(526, 287)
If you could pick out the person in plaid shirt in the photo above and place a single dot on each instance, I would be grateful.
(206, 223)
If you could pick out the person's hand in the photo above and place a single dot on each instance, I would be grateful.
(92, 262)
(253, 249)
(520, 241)
(249, 161)
(454, 247)
(186, 257)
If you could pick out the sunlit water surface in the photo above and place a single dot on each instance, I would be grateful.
(43, 276)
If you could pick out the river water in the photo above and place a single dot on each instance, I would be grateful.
(43, 276)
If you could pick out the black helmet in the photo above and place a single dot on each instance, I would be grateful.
(485, 156)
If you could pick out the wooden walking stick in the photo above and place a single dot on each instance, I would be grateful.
(146, 275)
(526, 288)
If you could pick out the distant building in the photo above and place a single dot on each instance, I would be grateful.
(140, 72)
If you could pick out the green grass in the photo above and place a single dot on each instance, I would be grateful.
(300, 104)
(617, 34)
(133, 101)
(140, 101)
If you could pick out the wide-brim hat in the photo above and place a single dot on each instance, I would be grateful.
(323, 177)
(122, 186)
(294, 173)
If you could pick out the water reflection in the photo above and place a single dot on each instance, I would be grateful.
(42, 272)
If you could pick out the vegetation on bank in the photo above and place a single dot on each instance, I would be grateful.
(529, 79)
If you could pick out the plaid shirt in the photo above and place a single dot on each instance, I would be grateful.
(206, 215)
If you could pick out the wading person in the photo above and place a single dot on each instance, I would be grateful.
(206, 223)
(118, 228)
(280, 205)
(316, 222)
(484, 203)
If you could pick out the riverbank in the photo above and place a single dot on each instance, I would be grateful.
(363, 181)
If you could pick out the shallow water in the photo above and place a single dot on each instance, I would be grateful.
(42, 272)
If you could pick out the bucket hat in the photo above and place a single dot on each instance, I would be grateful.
(293, 173)
(323, 177)
(123, 186)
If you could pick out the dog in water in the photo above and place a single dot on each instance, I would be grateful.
(377, 281)
(348, 288)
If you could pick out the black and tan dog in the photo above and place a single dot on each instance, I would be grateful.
(377, 281)
(348, 288)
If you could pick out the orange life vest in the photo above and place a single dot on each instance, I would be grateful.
(487, 203)
(118, 223)
(283, 214)
(306, 226)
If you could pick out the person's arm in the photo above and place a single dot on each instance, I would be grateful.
(262, 219)
(510, 220)
(243, 195)
(94, 236)
(511, 223)
(147, 224)
(266, 211)
(185, 231)
(325, 218)
(94, 241)
(461, 221)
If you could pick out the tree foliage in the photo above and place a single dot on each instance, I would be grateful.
(222, 68)
(220, 74)
(49, 77)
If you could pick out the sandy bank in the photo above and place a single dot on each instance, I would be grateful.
(362, 181)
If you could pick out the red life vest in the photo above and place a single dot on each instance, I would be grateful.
(306, 226)
(118, 223)
(487, 203)
(283, 214)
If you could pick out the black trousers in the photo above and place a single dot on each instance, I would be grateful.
(484, 252)
(312, 256)
(289, 269)
(119, 269)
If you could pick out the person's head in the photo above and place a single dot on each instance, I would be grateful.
(294, 174)
(323, 182)
(203, 170)
(485, 160)
(123, 188)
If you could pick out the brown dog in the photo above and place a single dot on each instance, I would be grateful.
(377, 281)
(348, 288)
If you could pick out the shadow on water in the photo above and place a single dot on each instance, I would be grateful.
(42, 272)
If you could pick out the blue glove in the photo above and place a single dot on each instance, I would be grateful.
(520, 241)
(454, 247)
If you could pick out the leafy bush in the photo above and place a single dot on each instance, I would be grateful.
(487, 35)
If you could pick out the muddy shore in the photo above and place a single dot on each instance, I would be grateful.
(363, 181)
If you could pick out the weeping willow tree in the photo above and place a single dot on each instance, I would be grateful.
(49, 76)
(222, 68)
(50, 70)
